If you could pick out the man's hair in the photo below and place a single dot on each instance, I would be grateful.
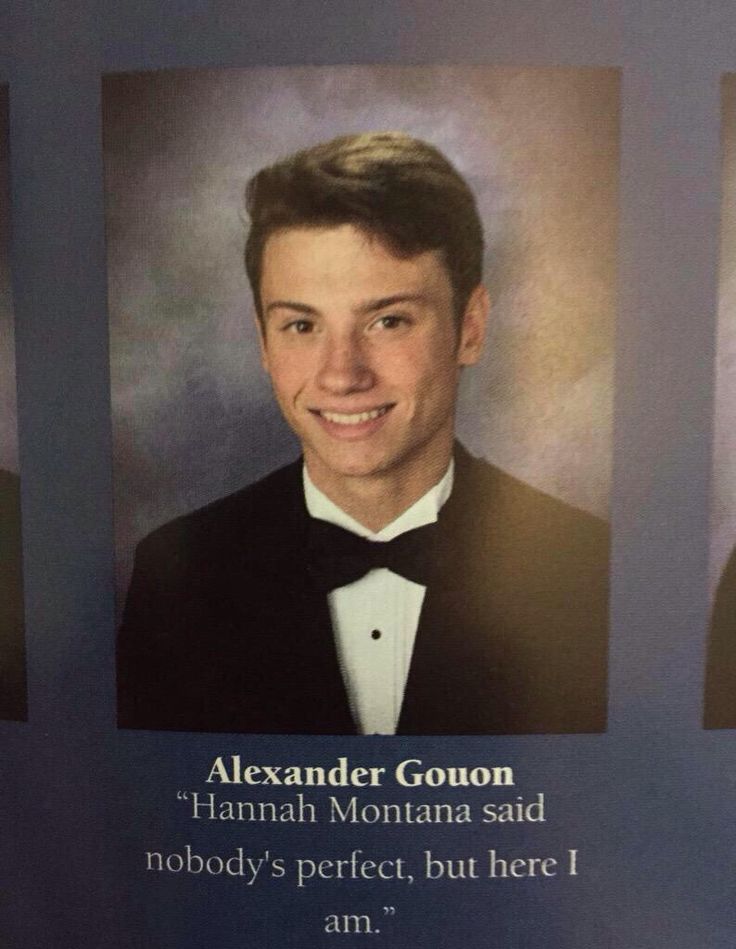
(393, 187)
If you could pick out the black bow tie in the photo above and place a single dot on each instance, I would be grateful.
(336, 556)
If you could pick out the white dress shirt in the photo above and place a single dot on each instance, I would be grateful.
(375, 619)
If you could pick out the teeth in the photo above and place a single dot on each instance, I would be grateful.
(340, 418)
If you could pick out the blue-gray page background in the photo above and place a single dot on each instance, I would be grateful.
(650, 803)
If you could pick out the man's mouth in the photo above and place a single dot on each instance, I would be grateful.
(352, 418)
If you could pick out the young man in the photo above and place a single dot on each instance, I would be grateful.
(387, 582)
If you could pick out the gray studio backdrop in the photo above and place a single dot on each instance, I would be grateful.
(8, 414)
(723, 508)
(193, 417)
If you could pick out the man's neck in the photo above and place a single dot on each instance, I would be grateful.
(376, 500)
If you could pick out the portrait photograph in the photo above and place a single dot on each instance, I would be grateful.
(361, 342)
(13, 702)
(720, 677)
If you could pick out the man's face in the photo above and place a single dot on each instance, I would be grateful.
(363, 350)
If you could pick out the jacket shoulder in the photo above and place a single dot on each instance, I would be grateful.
(720, 676)
(501, 496)
(257, 512)
(9, 498)
(9, 482)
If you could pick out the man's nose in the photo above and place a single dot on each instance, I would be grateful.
(345, 367)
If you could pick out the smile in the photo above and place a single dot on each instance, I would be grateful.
(352, 418)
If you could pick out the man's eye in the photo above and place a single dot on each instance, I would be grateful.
(300, 327)
(391, 321)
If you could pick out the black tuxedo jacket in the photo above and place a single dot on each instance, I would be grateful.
(12, 649)
(720, 679)
(224, 631)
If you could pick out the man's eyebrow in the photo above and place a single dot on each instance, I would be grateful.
(380, 304)
(291, 305)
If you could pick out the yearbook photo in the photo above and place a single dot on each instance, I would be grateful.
(361, 325)
(720, 675)
(13, 704)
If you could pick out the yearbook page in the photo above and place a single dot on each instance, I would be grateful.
(361, 325)
(367, 387)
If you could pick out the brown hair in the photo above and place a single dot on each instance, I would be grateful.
(394, 187)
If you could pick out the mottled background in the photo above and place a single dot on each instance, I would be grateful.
(8, 415)
(723, 510)
(193, 415)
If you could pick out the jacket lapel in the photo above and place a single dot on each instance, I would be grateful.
(456, 680)
(288, 622)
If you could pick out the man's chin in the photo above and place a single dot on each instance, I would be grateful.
(349, 462)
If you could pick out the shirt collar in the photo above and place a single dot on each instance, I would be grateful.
(424, 511)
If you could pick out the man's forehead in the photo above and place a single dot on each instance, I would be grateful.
(346, 258)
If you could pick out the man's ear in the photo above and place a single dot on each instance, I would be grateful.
(473, 327)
